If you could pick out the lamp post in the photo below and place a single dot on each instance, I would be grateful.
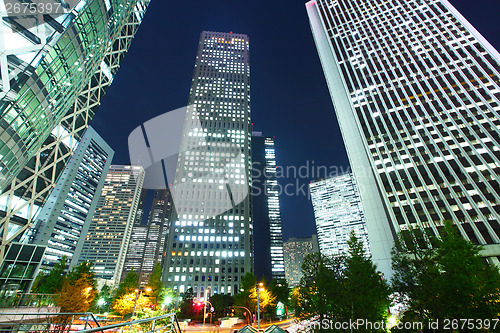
(205, 306)
(257, 287)
(249, 312)
(137, 294)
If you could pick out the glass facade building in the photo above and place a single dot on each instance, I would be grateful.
(338, 211)
(295, 250)
(53, 74)
(210, 238)
(64, 220)
(108, 237)
(268, 240)
(147, 242)
(416, 91)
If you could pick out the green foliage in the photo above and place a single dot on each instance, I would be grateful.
(363, 285)
(106, 295)
(187, 306)
(447, 280)
(52, 282)
(244, 295)
(155, 282)
(128, 285)
(83, 270)
(124, 304)
(280, 289)
(341, 288)
(169, 299)
(77, 295)
(221, 304)
(320, 289)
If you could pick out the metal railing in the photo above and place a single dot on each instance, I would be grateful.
(83, 322)
(46, 321)
(165, 323)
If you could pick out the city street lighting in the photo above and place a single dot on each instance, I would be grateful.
(137, 294)
(100, 303)
(257, 288)
(205, 307)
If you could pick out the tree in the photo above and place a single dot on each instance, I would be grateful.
(267, 298)
(124, 305)
(221, 304)
(320, 289)
(155, 285)
(280, 289)
(246, 296)
(187, 305)
(78, 295)
(52, 282)
(85, 270)
(104, 300)
(128, 285)
(170, 299)
(366, 293)
(446, 281)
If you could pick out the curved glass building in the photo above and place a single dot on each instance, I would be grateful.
(55, 67)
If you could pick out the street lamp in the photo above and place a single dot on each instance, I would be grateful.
(258, 306)
(100, 303)
(137, 294)
(205, 307)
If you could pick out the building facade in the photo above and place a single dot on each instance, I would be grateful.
(416, 91)
(268, 240)
(147, 241)
(211, 237)
(295, 250)
(64, 220)
(52, 79)
(108, 237)
(338, 211)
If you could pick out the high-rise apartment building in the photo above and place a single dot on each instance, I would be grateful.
(147, 241)
(416, 91)
(64, 220)
(210, 237)
(295, 250)
(268, 240)
(338, 211)
(109, 233)
(55, 69)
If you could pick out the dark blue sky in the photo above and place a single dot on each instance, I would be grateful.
(289, 96)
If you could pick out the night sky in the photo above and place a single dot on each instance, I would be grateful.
(289, 96)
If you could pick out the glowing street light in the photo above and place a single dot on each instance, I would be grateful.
(258, 287)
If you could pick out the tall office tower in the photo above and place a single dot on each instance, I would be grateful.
(295, 250)
(53, 76)
(416, 91)
(268, 240)
(210, 238)
(109, 233)
(338, 211)
(138, 236)
(147, 242)
(65, 218)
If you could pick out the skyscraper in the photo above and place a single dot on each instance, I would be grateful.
(147, 241)
(109, 233)
(64, 220)
(54, 73)
(295, 250)
(268, 240)
(338, 211)
(210, 237)
(416, 91)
